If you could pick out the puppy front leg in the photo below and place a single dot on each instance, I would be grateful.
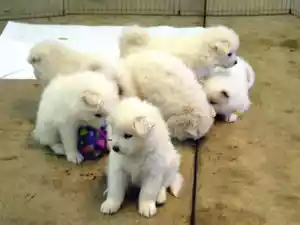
(68, 133)
(117, 185)
(162, 196)
(47, 134)
(150, 189)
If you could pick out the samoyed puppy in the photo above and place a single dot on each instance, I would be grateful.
(141, 154)
(50, 58)
(165, 81)
(228, 89)
(214, 46)
(68, 102)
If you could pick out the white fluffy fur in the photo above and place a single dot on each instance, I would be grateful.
(69, 101)
(141, 154)
(165, 81)
(50, 58)
(228, 89)
(200, 52)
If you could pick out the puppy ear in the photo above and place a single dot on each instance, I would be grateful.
(221, 47)
(192, 131)
(142, 125)
(91, 99)
(224, 94)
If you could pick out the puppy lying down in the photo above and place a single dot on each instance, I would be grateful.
(214, 46)
(50, 58)
(228, 89)
(68, 102)
(141, 153)
(166, 82)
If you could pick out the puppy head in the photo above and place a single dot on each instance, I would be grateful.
(217, 93)
(96, 104)
(223, 96)
(93, 111)
(218, 99)
(34, 58)
(132, 126)
(41, 56)
(223, 44)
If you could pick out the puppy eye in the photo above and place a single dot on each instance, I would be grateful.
(120, 90)
(34, 60)
(99, 115)
(213, 102)
(229, 54)
(127, 136)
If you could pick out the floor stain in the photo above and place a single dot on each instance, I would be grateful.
(292, 44)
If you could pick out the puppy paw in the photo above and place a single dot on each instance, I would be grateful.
(176, 186)
(34, 135)
(232, 118)
(76, 158)
(58, 149)
(147, 208)
(162, 196)
(110, 206)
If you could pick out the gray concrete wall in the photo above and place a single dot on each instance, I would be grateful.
(11, 9)
(296, 7)
(248, 7)
(235, 7)
(184, 7)
(161, 7)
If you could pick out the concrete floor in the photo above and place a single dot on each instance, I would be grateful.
(248, 170)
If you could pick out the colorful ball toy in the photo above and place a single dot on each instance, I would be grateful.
(92, 143)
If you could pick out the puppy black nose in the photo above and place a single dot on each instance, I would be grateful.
(116, 148)
(235, 62)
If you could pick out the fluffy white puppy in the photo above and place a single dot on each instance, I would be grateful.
(70, 101)
(141, 154)
(165, 81)
(214, 46)
(50, 58)
(228, 89)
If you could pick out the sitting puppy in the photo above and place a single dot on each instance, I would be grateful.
(227, 89)
(141, 154)
(68, 102)
(214, 46)
(50, 58)
(166, 82)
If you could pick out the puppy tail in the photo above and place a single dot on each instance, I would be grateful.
(250, 75)
(131, 38)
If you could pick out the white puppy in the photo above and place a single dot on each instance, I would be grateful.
(141, 154)
(228, 89)
(214, 46)
(70, 101)
(165, 81)
(50, 58)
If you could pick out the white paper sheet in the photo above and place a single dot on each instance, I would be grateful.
(13, 55)
(17, 39)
